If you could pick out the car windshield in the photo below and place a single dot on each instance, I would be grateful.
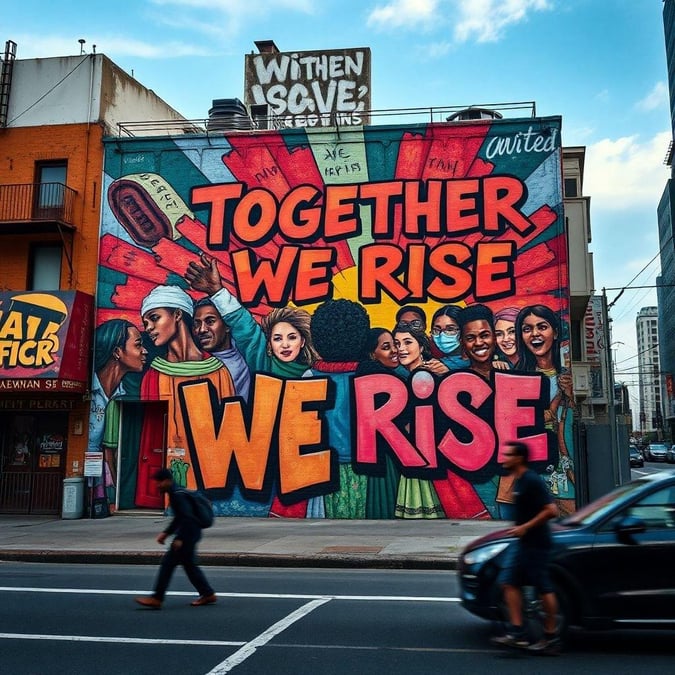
(598, 508)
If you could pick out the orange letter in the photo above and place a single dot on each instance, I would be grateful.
(265, 279)
(453, 281)
(216, 196)
(298, 217)
(254, 216)
(502, 195)
(494, 270)
(461, 214)
(211, 454)
(312, 282)
(382, 195)
(341, 213)
(379, 265)
(298, 429)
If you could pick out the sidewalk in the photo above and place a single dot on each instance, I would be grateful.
(130, 539)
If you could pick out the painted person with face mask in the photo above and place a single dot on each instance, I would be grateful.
(445, 336)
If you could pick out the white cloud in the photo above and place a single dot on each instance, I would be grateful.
(626, 172)
(481, 20)
(656, 98)
(486, 20)
(401, 13)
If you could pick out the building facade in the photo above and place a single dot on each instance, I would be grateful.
(666, 280)
(649, 372)
(54, 114)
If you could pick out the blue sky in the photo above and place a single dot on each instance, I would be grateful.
(599, 65)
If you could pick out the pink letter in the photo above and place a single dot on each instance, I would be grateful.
(510, 389)
(474, 455)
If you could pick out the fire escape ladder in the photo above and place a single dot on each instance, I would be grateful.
(6, 80)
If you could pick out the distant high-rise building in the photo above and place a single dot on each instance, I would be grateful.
(651, 391)
(666, 281)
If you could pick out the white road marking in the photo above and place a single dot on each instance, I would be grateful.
(138, 641)
(250, 647)
(276, 596)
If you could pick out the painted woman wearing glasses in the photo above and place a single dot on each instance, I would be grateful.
(445, 336)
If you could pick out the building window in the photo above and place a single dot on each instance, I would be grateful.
(571, 187)
(50, 194)
(45, 267)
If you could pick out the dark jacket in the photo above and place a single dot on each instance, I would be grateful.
(184, 525)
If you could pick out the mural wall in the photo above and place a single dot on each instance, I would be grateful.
(335, 323)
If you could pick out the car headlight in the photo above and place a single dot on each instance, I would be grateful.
(484, 553)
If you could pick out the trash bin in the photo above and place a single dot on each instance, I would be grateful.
(73, 498)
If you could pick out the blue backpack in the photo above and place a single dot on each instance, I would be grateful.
(202, 511)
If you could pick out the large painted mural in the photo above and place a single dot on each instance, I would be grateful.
(338, 323)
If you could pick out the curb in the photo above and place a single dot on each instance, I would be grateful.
(234, 559)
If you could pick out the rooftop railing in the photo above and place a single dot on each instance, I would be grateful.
(176, 127)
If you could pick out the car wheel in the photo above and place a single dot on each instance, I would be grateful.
(565, 611)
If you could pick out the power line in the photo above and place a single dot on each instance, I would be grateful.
(621, 290)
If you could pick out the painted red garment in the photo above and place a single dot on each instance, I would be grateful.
(459, 499)
(297, 510)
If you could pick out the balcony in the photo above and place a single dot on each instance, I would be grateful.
(36, 207)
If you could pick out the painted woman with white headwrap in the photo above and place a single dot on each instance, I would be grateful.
(167, 319)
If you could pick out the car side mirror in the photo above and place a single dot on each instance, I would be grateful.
(628, 527)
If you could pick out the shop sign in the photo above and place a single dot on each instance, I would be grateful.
(45, 340)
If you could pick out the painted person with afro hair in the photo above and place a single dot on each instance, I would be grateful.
(340, 331)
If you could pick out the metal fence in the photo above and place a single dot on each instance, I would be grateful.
(29, 492)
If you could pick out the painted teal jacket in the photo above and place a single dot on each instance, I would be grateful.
(251, 339)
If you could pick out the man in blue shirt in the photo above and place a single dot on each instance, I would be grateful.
(527, 559)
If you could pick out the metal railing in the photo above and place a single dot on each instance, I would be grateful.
(31, 492)
(177, 127)
(31, 202)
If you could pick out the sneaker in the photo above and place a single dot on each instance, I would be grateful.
(511, 640)
(549, 644)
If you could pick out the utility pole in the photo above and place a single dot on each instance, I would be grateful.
(611, 405)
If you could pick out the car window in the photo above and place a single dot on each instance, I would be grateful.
(656, 510)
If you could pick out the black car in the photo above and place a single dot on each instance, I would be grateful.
(612, 562)
(636, 459)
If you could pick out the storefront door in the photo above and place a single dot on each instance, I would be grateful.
(32, 462)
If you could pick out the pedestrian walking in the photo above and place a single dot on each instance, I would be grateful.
(528, 557)
(188, 532)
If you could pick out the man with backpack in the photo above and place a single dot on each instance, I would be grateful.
(187, 529)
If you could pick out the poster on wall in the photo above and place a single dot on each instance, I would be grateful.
(343, 323)
(309, 89)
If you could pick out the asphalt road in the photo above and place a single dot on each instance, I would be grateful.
(82, 619)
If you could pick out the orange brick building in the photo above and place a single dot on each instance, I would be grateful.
(54, 114)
